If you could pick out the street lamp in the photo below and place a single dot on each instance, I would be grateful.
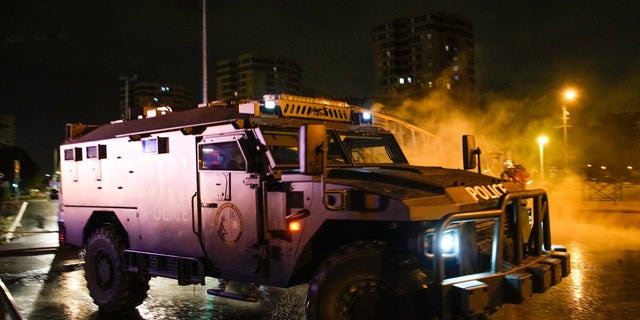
(204, 53)
(126, 111)
(569, 95)
(541, 141)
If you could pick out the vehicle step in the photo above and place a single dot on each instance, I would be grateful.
(186, 270)
(250, 296)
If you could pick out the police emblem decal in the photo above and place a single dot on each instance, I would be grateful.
(229, 224)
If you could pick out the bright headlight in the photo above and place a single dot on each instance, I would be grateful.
(448, 243)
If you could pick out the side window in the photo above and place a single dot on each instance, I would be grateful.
(335, 155)
(283, 146)
(69, 154)
(221, 156)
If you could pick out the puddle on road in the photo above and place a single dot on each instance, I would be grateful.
(63, 295)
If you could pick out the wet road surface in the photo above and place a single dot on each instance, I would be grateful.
(605, 271)
(57, 290)
(603, 284)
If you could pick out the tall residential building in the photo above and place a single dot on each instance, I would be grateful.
(145, 97)
(7, 130)
(250, 76)
(422, 52)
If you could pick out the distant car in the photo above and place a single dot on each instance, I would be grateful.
(53, 194)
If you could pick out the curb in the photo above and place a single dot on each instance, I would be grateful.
(28, 251)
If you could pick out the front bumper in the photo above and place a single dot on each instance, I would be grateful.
(520, 259)
(480, 294)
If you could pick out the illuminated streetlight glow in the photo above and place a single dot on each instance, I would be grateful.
(541, 141)
(569, 95)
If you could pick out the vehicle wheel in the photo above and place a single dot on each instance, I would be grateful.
(111, 288)
(365, 280)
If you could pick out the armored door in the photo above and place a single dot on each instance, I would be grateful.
(227, 204)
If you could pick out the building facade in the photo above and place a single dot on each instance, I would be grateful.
(7, 130)
(149, 98)
(419, 53)
(250, 76)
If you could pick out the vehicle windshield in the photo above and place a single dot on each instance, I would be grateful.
(343, 148)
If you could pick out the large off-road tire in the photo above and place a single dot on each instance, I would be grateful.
(111, 288)
(366, 280)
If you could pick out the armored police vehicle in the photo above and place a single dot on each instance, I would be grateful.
(293, 190)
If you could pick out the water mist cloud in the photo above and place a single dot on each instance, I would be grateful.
(504, 129)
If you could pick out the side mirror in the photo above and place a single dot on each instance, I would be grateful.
(313, 148)
(469, 152)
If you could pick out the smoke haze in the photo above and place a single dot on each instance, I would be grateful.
(504, 129)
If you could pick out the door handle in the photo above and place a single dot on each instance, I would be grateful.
(209, 205)
(193, 214)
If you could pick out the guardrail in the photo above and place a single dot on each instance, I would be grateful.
(8, 307)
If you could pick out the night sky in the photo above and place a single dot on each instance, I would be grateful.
(60, 61)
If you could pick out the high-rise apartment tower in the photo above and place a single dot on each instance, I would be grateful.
(422, 52)
(251, 76)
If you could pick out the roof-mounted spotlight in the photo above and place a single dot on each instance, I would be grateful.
(364, 117)
(270, 107)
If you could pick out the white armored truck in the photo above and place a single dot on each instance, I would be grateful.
(293, 190)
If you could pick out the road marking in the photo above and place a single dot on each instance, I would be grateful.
(14, 225)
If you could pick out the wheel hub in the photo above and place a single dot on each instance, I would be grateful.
(104, 270)
(369, 299)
